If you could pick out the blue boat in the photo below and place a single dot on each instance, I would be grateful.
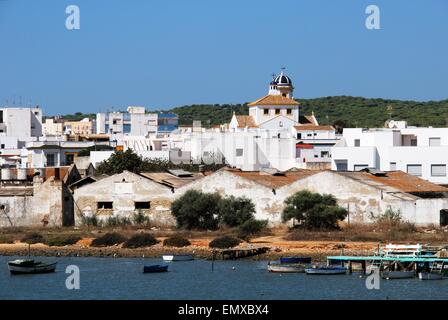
(295, 260)
(155, 268)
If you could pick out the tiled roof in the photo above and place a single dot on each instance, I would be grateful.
(274, 100)
(311, 127)
(399, 180)
(245, 121)
(274, 181)
(308, 120)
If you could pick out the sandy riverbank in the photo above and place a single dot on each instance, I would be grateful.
(199, 247)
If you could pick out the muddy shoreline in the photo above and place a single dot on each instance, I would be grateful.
(21, 249)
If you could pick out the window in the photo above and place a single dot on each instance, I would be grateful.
(2, 146)
(265, 111)
(414, 169)
(105, 205)
(1, 116)
(357, 142)
(359, 167)
(239, 152)
(413, 142)
(434, 142)
(393, 166)
(114, 121)
(324, 154)
(288, 111)
(51, 160)
(277, 111)
(299, 135)
(438, 170)
(142, 205)
(316, 156)
(309, 135)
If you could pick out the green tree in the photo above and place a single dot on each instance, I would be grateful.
(120, 161)
(197, 210)
(313, 210)
(234, 211)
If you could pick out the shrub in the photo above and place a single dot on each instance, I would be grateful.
(140, 240)
(313, 210)
(90, 220)
(114, 221)
(33, 238)
(251, 227)
(233, 211)
(140, 218)
(176, 241)
(224, 242)
(109, 239)
(197, 210)
(6, 238)
(61, 240)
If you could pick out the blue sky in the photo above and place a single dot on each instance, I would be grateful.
(162, 54)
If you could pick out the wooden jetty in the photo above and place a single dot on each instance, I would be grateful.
(232, 254)
(387, 263)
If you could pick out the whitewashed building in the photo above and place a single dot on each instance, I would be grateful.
(422, 152)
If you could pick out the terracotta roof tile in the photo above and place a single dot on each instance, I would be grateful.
(401, 181)
(273, 100)
(274, 181)
(245, 121)
(312, 127)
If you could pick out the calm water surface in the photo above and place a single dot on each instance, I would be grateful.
(122, 278)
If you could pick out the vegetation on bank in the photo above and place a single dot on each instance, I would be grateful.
(224, 242)
(109, 239)
(176, 241)
(140, 240)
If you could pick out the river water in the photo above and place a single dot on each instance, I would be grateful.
(122, 278)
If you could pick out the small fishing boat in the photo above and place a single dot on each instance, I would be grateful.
(286, 268)
(29, 266)
(430, 276)
(295, 260)
(155, 268)
(178, 257)
(326, 270)
(397, 274)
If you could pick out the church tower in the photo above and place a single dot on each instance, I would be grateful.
(281, 85)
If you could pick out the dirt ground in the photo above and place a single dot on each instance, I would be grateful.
(199, 246)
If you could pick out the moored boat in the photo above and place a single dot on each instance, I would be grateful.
(178, 257)
(29, 266)
(155, 268)
(295, 260)
(326, 270)
(286, 268)
(430, 276)
(397, 274)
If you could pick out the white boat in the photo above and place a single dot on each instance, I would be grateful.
(397, 274)
(22, 266)
(177, 257)
(286, 268)
(326, 270)
(430, 276)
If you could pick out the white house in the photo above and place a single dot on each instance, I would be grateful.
(422, 152)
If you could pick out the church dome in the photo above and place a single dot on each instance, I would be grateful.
(282, 79)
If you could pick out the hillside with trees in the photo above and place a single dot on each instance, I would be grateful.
(346, 111)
